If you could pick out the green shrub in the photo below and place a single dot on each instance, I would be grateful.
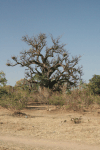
(56, 100)
(13, 101)
(94, 85)
(97, 99)
(3, 92)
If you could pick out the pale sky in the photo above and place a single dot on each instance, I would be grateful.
(78, 21)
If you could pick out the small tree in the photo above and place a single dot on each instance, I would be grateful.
(3, 80)
(94, 84)
(24, 84)
(50, 64)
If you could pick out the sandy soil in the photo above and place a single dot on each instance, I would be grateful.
(35, 128)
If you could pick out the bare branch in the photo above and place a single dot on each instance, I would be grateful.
(46, 64)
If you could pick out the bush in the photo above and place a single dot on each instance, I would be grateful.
(3, 92)
(94, 85)
(56, 100)
(16, 102)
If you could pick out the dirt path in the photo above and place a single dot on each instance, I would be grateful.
(47, 144)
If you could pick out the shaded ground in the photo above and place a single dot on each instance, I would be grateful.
(35, 128)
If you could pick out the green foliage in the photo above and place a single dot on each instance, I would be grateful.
(3, 80)
(68, 91)
(94, 84)
(24, 84)
(56, 100)
(97, 99)
(3, 92)
(14, 101)
(41, 80)
(82, 84)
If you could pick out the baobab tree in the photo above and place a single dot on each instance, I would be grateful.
(51, 66)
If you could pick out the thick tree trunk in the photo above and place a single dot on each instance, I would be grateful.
(51, 84)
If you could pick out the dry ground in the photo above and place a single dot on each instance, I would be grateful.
(35, 128)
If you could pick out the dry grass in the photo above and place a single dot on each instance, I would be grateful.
(77, 99)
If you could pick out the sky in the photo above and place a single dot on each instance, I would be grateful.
(77, 21)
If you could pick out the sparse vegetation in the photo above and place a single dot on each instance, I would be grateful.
(77, 99)
(12, 100)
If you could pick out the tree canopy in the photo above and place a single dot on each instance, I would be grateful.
(3, 80)
(23, 84)
(50, 66)
(94, 84)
